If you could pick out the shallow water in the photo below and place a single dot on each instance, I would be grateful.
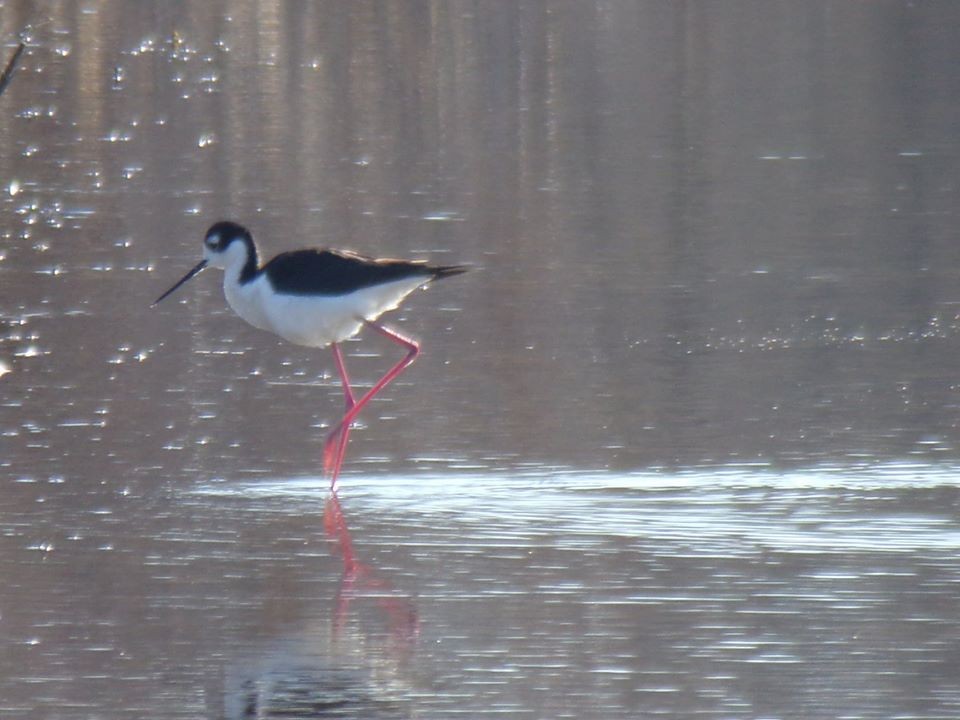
(685, 444)
(737, 593)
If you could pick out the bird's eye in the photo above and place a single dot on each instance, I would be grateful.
(212, 241)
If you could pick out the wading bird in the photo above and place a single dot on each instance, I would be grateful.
(317, 297)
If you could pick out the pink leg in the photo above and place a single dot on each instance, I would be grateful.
(338, 435)
(336, 443)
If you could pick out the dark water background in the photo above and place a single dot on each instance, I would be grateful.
(684, 445)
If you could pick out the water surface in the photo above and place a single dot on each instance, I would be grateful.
(685, 444)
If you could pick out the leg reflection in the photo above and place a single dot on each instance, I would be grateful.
(361, 581)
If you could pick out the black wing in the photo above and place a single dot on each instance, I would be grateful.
(337, 272)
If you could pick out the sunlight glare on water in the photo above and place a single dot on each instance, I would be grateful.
(732, 506)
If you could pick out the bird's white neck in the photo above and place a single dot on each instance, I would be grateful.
(241, 285)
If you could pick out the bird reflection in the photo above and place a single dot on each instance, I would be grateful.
(361, 581)
(352, 667)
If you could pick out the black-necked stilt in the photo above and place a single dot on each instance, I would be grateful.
(317, 297)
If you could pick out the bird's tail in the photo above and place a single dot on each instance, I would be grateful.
(442, 271)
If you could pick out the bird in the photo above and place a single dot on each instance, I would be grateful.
(317, 297)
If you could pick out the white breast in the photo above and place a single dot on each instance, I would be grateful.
(249, 301)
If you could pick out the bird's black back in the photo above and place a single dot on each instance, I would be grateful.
(338, 272)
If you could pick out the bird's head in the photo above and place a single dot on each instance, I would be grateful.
(226, 244)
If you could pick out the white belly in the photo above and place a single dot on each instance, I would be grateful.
(315, 320)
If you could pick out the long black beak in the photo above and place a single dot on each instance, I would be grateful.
(200, 266)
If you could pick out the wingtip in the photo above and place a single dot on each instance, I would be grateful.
(450, 270)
